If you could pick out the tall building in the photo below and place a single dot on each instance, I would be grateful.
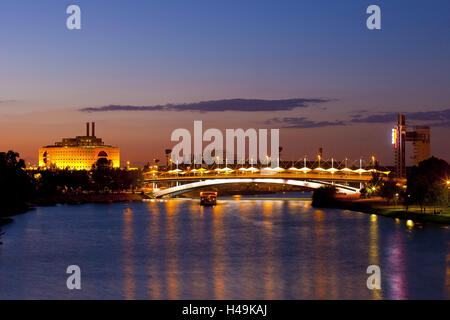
(399, 142)
(420, 137)
(78, 153)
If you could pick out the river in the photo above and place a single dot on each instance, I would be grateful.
(240, 249)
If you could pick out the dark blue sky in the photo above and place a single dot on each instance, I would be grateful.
(146, 53)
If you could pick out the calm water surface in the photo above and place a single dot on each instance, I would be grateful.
(246, 249)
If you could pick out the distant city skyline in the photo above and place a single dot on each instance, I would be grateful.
(310, 68)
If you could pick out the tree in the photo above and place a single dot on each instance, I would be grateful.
(324, 196)
(102, 178)
(363, 192)
(389, 190)
(16, 186)
(436, 195)
(426, 182)
(102, 163)
(376, 182)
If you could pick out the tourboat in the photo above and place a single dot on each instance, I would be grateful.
(208, 198)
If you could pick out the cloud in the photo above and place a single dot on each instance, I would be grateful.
(249, 105)
(301, 122)
(6, 101)
(375, 118)
(433, 118)
(113, 107)
(439, 118)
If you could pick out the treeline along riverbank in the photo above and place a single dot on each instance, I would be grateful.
(21, 189)
(424, 198)
(379, 206)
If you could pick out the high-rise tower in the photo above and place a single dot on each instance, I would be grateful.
(420, 137)
(399, 142)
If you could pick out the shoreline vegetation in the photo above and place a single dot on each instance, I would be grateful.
(378, 206)
(22, 189)
(424, 197)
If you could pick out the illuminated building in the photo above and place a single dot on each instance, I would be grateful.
(420, 137)
(78, 153)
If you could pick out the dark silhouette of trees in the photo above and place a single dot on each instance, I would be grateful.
(324, 197)
(363, 193)
(389, 190)
(373, 186)
(376, 181)
(101, 179)
(437, 195)
(55, 182)
(16, 187)
(102, 163)
(19, 187)
(106, 179)
(426, 183)
(386, 189)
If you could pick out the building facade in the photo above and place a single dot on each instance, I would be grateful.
(420, 138)
(79, 153)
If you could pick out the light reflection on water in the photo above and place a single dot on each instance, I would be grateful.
(246, 249)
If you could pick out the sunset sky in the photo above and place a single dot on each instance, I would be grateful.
(310, 68)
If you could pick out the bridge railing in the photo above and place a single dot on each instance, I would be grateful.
(325, 176)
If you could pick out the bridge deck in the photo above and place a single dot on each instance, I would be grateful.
(191, 185)
(301, 176)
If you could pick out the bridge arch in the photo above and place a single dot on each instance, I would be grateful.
(213, 182)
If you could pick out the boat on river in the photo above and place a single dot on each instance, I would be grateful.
(208, 198)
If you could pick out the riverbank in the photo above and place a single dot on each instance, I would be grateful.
(87, 198)
(379, 206)
(71, 199)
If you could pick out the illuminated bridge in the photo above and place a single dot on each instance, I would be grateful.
(177, 181)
